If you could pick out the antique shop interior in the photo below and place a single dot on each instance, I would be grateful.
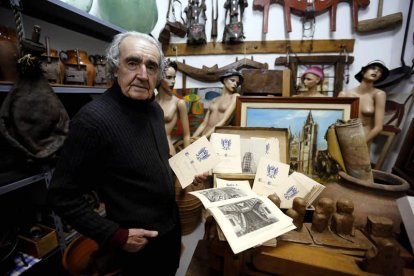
(311, 162)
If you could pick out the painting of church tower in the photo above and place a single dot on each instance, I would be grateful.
(308, 145)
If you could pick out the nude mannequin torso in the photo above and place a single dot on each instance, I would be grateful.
(371, 104)
(174, 108)
(221, 109)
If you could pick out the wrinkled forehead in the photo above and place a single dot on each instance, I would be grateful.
(136, 46)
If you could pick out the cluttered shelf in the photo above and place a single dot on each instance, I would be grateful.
(62, 88)
(65, 15)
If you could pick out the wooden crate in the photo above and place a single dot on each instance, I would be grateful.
(39, 247)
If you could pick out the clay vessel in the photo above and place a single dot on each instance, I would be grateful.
(354, 149)
(8, 54)
(75, 57)
(370, 198)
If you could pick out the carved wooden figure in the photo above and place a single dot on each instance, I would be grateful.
(297, 212)
(302, 7)
(322, 215)
(343, 219)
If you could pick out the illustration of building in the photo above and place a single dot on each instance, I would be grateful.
(303, 147)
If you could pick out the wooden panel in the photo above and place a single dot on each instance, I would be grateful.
(261, 47)
(297, 259)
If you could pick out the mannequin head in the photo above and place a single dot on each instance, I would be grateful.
(375, 71)
(168, 77)
(312, 77)
(231, 80)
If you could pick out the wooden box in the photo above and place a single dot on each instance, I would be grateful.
(39, 247)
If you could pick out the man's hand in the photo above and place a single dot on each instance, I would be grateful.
(137, 239)
(199, 179)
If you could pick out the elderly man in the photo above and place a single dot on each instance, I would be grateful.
(117, 146)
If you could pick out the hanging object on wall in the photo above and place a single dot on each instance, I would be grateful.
(132, 15)
(177, 27)
(165, 34)
(380, 22)
(308, 20)
(214, 18)
(212, 74)
(300, 7)
(233, 31)
(263, 5)
(196, 22)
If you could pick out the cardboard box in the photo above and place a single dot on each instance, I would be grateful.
(39, 247)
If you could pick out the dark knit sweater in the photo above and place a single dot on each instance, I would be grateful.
(118, 147)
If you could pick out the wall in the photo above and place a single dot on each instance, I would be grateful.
(386, 45)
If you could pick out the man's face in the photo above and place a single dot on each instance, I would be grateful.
(168, 82)
(231, 83)
(138, 68)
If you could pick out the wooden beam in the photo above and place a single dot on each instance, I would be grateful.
(261, 47)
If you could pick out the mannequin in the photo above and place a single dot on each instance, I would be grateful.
(222, 108)
(172, 106)
(371, 99)
(311, 78)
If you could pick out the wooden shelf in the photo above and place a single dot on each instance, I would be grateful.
(21, 183)
(261, 47)
(61, 88)
(65, 15)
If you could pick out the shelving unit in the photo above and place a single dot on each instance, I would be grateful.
(65, 15)
(61, 88)
(21, 183)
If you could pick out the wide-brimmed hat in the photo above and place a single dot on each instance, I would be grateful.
(380, 64)
(230, 73)
(317, 71)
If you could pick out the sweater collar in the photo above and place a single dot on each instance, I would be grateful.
(116, 93)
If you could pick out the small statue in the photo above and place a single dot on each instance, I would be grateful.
(322, 215)
(297, 212)
(275, 199)
(343, 219)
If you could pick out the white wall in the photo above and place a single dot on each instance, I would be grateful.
(386, 45)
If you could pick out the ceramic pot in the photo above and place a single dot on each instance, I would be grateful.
(132, 15)
(76, 57)
(83, 5)
(377, 199)
(53, 68)
(8, 54)
(101, 74)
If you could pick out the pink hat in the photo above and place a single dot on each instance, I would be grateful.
(317, 71)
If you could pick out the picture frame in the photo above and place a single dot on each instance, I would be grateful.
(307, 120)
(334, 67)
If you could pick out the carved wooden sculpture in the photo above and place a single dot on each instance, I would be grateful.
(212, 74)
(304, 7)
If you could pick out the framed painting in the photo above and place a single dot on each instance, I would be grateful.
(307, 120)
